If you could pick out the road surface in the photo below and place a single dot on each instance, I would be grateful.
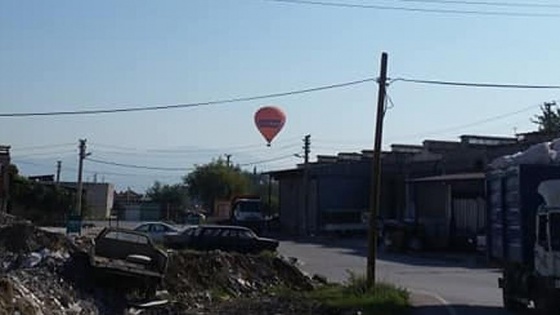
(458, 281)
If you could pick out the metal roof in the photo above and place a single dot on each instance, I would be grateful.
(450, 177)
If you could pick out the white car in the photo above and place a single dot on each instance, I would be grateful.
(156, 230)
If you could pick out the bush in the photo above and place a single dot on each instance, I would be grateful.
(354, 296)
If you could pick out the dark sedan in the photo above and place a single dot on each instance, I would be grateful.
(222, 237)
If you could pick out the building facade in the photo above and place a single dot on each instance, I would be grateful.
(99, 198)
(439, 184)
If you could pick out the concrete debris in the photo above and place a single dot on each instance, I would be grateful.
(42, 273)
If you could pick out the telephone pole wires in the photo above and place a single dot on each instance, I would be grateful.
(375, 194)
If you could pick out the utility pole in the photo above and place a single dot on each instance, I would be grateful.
(306, 148)
(228, 157)
(306, 151)
(82, 155)
(58, 167)
(375, 195)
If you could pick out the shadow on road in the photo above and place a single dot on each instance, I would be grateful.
(358, 246)
(459, 310)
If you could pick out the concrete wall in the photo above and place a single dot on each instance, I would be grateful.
(98, 197)
(142, 212)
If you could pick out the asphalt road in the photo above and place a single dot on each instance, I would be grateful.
(454, 284)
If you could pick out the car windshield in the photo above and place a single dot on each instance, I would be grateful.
(253, 207)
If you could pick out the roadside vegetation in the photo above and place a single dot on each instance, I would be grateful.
(354, 297)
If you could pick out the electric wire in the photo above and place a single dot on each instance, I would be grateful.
(188, 105)
(268, 160)
(489, 3)
(44, 154)
(476, 85)
(158, 168)
(99, 172)
(475, 123)
(273, 95)
(41, 147)
(415, 9)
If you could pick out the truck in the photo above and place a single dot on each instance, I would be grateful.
(523, 234)
(246, 210)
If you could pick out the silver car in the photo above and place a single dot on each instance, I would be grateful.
(156, 230)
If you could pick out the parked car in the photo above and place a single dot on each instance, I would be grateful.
(222, 237)
(156, 230)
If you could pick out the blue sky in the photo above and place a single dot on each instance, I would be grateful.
(74, 55)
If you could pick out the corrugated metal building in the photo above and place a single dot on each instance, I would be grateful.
(452, 206)
(449, 207)
(338, 197)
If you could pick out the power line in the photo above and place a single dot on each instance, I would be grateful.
(139, 166)
(479, 122)
(199, 104)
(273, 95)
(489, 3)
(39, 147)
(268, 160)
(179, 152)
(130, 175)
(238, 148)
(44, 154)
(412, 9)
(477, 85)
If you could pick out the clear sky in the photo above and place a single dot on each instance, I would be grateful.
(78, 55)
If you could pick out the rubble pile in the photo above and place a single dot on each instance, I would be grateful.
(23, 237)
(31, 264)
(41, 273)
(194, 278)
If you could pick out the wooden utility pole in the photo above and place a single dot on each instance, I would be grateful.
(306, 151)
(58, 167)
(228, 157)
(82, 155)
(375, 194)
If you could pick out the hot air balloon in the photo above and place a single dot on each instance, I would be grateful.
(269, 120)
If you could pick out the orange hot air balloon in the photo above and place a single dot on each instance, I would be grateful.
(269, 121)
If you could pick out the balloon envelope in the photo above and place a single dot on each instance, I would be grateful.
(269, 121)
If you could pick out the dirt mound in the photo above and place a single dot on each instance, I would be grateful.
(24, 237)
(45, 273)
(199, 277)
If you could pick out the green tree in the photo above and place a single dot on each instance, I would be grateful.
(549, 120)
(171, 198)
(217, 180)
(39, 202)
